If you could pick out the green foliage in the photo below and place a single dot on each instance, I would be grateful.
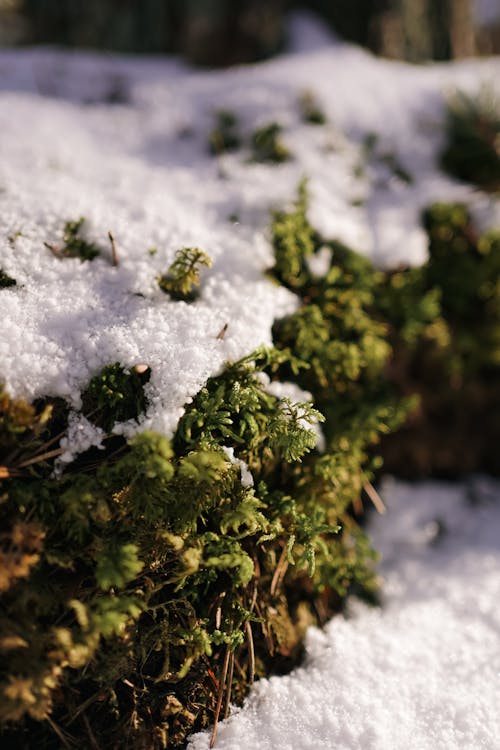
(310, 110)
(184, 274)
(267, 146)
(224, 136)
(472, 151)
(5, 280)
(128, 584)
(372, 338)
(129, 560)
(117, 565)
(115, 395)
(75, 246)
(294, 240)
(465, 267)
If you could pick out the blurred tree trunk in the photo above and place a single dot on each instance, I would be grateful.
(223, 32)
(462, 33)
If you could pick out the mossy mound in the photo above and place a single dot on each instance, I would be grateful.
(155, 579)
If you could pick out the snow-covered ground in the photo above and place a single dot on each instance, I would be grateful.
(142, 170)
(423, 671)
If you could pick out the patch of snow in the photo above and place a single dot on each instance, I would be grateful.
(319, 263)
(141, 169)
(81, 435)
(422, 672)
(246, 475)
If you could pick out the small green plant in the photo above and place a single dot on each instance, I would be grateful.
(472, 150)
(267, 146)
(392, 162)
(225, 134)
(75, 246)
(115, 395)
(5, 280)
(445, 329)
(310, 110)
(184, 274)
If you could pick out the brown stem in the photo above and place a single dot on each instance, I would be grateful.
(251, 651)
(220, 696)
(229, 686)
(375, 498)
(114, 254)
(278, 572)
(57, 730)
(41, 457)
(93, 741)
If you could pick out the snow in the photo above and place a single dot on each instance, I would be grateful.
(141, 169)
(421, 673)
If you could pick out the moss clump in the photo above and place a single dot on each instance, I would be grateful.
(224, 136)
(310, 110)
(115, 395)
(135, 587)
(184, 274)
(75, 246)
(267, 146)
(472, 151)
(5, 280)
(141, 593)
(445, 328)
(368, 335)
(340, 335)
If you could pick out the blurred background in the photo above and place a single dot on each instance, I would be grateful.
(226, 32)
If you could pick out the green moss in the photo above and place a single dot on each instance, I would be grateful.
(184, 274)
(267, 146)
(310, 110)
(131, 585)
(445, 327)
(225, 134)
(75, 246)
(372, 339)
(143, 572)
(471, 152)
(5, 280)
(115, 395)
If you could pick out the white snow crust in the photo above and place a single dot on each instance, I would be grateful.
(142, 170)
(422, 672)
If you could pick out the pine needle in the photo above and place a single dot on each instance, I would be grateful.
(220, 696)
(375, 498)
(251, 651)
